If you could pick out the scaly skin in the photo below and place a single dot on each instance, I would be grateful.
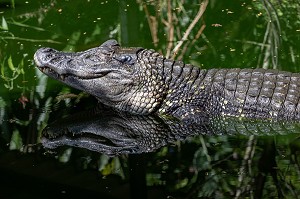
(142, 81)
(114, 133)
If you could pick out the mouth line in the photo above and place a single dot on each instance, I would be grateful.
(49, 71)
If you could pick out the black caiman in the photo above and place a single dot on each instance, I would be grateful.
(141, 81)
(111, 132)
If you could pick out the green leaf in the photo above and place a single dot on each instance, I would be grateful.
(2, 71)
(7, 86)
(4, 24)
(2, 103)
(16, 141)
(20, 69)
(10, 64)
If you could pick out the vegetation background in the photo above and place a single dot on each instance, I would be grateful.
(209, 34)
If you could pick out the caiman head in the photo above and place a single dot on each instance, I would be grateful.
(128, 79)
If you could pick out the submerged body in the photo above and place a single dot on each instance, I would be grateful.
(141, 81)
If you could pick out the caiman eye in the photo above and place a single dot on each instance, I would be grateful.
(125, 59)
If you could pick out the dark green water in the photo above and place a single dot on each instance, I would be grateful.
(245, 34)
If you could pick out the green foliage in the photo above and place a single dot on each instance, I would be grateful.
(10, 72)
(4, 25)
(110, 165)
(235, 34)
(16, 142)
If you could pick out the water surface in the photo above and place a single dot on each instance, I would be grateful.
(261, 163)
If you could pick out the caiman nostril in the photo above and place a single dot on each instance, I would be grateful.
(44, 55)
(36, 58)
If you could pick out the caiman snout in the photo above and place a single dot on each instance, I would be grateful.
(43, 55)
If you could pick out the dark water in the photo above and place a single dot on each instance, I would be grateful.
(246, 160)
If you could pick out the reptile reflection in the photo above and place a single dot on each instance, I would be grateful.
(106, 131)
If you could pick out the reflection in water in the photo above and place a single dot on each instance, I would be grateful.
(242, 34)
(113, 133)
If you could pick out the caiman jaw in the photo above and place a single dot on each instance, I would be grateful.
(46, 57)
(46, 69)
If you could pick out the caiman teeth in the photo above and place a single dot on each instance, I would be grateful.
(49, 70)
(62, 77)
(46, 69)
